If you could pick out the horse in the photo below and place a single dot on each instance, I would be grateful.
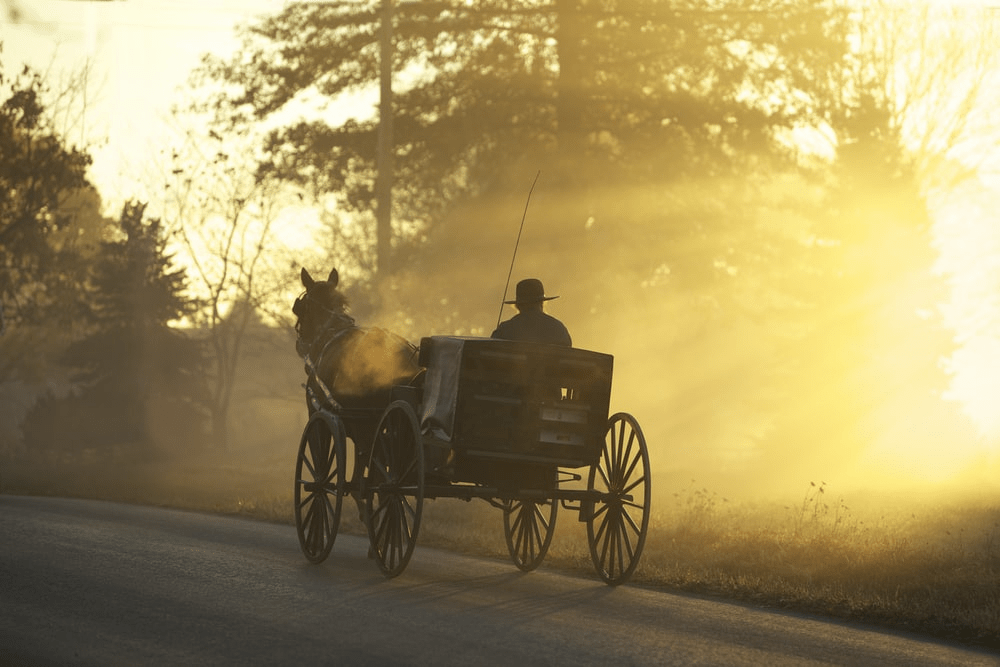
(358, 366)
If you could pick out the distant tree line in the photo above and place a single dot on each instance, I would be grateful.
(93, 295)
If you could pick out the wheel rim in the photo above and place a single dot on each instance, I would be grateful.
(319, 479)
(393, 493)
(616, 529)
(528, 528)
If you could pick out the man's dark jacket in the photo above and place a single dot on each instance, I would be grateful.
(534, 326)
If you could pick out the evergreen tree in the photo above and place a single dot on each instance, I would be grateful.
(137, 373)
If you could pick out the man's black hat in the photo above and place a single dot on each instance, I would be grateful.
(530, 290)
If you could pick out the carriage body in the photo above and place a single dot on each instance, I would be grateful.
(511, 412)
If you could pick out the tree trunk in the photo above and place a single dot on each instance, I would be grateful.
(571, 89)
(220, 429)
(384, 157)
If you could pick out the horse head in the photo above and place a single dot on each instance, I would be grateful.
(320, 310)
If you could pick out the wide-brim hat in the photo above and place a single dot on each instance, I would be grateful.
(530, 290)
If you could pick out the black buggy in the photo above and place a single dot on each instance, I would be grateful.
(523, 426)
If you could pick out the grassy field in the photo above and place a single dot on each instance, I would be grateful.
(920, 564)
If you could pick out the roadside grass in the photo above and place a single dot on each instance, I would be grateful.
(924, 565)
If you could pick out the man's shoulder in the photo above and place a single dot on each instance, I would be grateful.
(552, 320)
(557, 332)
(502, 328)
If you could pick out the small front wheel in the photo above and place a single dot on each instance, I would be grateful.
(319, 485)
(616, 529)
(392, 495)
(528, 526)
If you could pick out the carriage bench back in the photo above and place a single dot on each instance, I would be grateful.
(514, 401)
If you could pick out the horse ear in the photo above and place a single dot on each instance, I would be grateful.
(307, 280)
(334, 277)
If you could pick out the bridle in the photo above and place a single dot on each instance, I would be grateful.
(336, 324)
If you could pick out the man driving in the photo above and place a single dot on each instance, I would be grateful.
(532, 323)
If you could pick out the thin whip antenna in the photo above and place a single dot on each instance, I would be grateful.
(516, 244)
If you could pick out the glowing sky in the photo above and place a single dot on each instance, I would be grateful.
(142, 51)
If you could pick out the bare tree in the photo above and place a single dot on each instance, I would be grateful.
(935, 70)
(225, 216)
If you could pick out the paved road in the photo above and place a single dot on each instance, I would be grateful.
(91, 583)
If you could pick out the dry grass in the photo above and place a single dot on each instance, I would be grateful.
(932, 567)
(928, 567)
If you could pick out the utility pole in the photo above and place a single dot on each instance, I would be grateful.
(385, 149)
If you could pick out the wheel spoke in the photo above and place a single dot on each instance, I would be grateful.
(309, 467)
(314, 529)
(608, 552)
(627, 455)
(380, 521)
(605, 479)
(518, 514)
(537, 521)
(381, 470)
(395, 539)
(634, 484)
(602, 535)
(327, 506)
(403, 513)
(631, 521)
(631, 469)
(627, 540)
(605, 541)
(409, 471)
(621, 438)
(528, 543)
(617, 453)
(381, 508)
(517, 529)
(315, 448)
(607, 462)
(618, 546)
(308, 519)
(305, 501)
(411, 512)
(530, 531)
(322, 528)
(604, 524)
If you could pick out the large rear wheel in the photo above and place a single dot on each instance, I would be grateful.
(393, 488)
(616, 528)
(319, 485)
